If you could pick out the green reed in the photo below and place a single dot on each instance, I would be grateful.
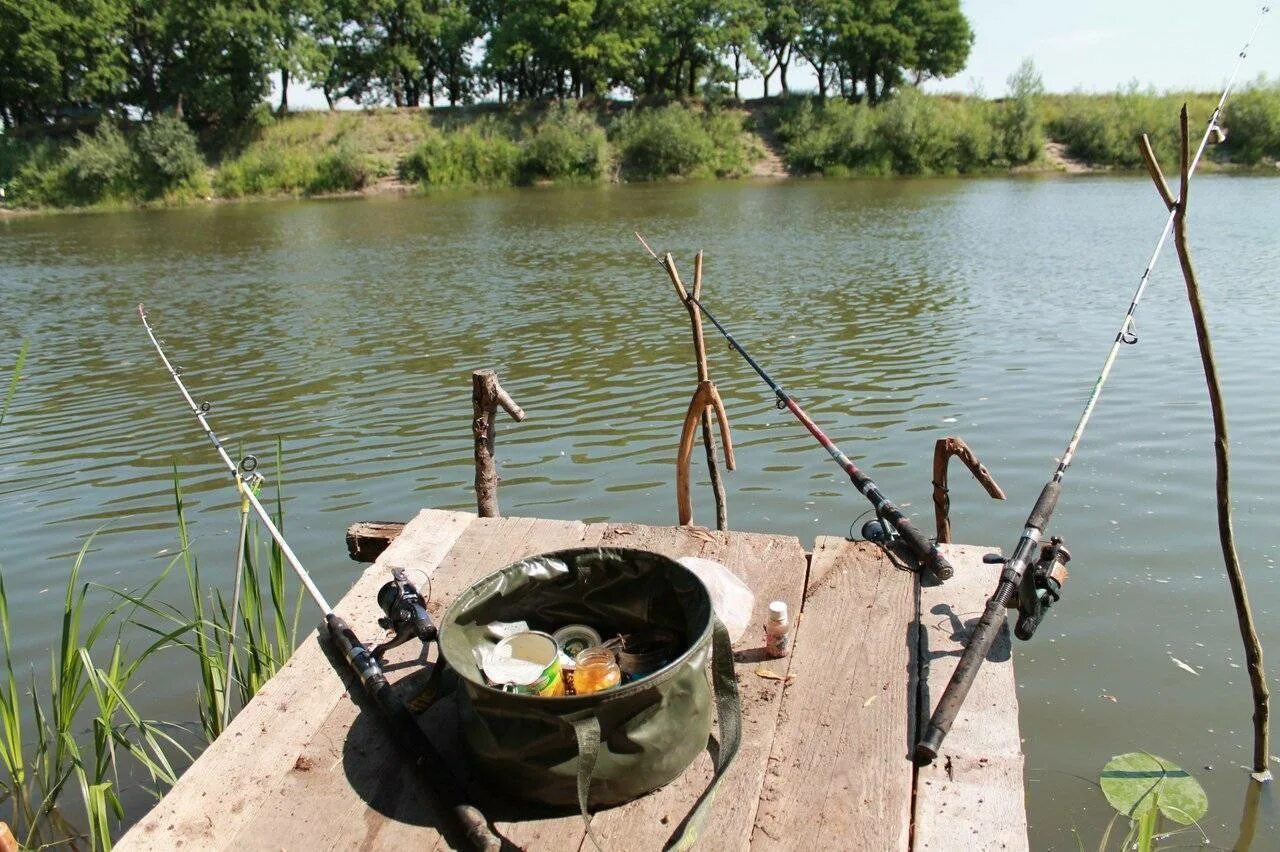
(13, 382)
(81, 730)
(42, 754)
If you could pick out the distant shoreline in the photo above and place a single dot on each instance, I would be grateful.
(384, 152)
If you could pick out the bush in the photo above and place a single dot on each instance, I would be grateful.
(1253, 123)
(167, 153)
(916, 139)
(733, 155)
(1104, 129)
(678, 141)
(268, 171)
(472, 156)
(1020, 119)
(341, 169)
(835, 137)
(566, 145)
(33, 173)
(99, 167)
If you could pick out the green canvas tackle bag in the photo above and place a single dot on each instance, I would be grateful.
(607, 747)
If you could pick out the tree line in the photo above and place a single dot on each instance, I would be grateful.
(213, 61)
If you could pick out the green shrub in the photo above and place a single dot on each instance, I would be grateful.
(566, 145)
(835, 137)
(1253, 123)
(167, 153)
(911, 129)
(1104, 129)
(680, 141)
(472, 156)
(1020, 117)
(733, 154)
(34, 173)
(341, 169)
(99, 167)
(268, 171)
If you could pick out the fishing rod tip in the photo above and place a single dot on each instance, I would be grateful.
(647, 247)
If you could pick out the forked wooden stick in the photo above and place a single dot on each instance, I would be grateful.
(705, 400)
(1221, 449)
(943, 450)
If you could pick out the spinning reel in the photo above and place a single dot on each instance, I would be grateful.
(406, 614)
(1040, 587)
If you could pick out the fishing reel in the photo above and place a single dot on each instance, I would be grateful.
(406, 613)
(1041, 587)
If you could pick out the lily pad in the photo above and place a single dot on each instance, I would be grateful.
(1136, 782)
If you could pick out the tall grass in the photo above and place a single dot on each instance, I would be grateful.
(41, 762)
(95, 674)
(478, 155)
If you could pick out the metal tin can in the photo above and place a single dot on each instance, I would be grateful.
(526, 663)
(573, 639)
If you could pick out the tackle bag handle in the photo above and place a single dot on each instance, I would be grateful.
(729, 718)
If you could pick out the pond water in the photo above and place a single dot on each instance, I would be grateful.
(897, 312)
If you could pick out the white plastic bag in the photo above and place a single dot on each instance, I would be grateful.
(731, 599)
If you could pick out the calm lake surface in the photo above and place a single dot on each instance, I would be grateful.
(897, 312)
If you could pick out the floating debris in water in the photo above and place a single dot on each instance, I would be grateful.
(1184, 667)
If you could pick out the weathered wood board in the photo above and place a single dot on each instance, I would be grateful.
(827, 731)
(840, 775)
(972, 796)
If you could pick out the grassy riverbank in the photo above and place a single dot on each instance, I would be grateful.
(163, 162)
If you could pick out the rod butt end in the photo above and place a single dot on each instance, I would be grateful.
(927, 749)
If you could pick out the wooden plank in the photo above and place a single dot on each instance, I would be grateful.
(841, 775)
(241, 772)
(367, 539)
(773, 566)
(972, 796)
(352, 790)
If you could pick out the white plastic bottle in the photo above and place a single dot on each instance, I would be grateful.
(777, 639)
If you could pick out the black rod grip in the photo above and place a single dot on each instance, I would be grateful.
(1045, 504)
(460, 818)
(984, 636)
(927, 552)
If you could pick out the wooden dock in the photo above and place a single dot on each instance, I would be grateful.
(827, 731)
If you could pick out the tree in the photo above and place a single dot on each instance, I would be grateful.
(777, 37)
(942, 38)
(737, 22)
(818, 42)
(1019, 118)
(880, 40)
(292, 44)
(209, 62)
(58, 56)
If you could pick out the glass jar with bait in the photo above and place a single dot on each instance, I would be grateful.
(595, 669)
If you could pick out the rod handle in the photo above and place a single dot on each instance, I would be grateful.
(984, 636)
(1045, 504)
(927, 552)
(467, 820)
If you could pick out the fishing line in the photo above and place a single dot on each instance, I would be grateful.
(1033, 593)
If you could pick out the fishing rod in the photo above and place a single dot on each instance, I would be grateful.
(406, 612)
(890, 516)
(1034, 591)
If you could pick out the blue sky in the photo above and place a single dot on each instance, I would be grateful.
(1092, 45)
